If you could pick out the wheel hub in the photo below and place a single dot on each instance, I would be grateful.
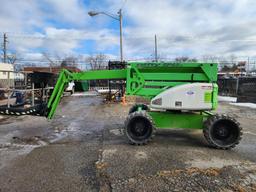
(139, 128)
(222, 132)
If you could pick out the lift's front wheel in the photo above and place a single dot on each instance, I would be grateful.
(139, 128)
(222, 131)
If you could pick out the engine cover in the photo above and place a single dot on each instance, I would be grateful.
(193, 96)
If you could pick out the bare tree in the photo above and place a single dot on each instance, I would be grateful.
(233, 59)
(185, 59)
(209, 58)
(12, 58)
(69, 62)
(46, 55)
(97, 62)
(51, 62)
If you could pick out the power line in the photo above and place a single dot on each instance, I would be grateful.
(178, 39)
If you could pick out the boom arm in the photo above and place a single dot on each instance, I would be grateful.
(142, 79)
(65, 77)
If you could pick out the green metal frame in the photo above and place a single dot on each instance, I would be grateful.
(148, 80)
(178, 120)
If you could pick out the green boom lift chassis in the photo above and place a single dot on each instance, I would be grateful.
(182, 96)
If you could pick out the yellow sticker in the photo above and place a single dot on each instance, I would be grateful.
(208, 97)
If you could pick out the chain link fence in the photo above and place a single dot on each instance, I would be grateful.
(244, 88)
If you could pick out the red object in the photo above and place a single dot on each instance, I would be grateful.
(54, 70)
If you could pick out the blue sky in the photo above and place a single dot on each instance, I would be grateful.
(202, 28)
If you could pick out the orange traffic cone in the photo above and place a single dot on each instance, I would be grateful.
(124, 101)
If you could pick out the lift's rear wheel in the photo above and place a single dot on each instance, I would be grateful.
(137, 106)
(222, 131)
(139, 128)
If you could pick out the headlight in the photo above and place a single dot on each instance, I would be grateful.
(157, 101)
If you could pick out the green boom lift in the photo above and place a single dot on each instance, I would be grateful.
(182, 96)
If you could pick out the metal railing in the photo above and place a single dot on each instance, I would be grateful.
(29, 94)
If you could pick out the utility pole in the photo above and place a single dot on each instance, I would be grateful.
(5, 48)
(156, 49)
(247, 68)
(118, 17)
(121, 33)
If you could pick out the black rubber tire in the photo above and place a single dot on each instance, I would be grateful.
(222, 131)
(139, 120)
(136, 106)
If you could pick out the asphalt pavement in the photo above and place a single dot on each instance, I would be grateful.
(83, 149)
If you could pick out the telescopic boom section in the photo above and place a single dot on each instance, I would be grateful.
(65, 77)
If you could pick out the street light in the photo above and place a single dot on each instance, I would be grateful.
(118, 17)
(92, 13)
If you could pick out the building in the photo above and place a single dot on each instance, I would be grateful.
(6, 71)
(6, 75)
(54, 70)
(45, 75)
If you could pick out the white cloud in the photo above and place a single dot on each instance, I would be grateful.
(32, 56)
(20, 19)
(208, 24)
(65, 40)
(190, 28)
(72, 11)
(19, 15)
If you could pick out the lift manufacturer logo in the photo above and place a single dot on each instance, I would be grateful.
(190, 92)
